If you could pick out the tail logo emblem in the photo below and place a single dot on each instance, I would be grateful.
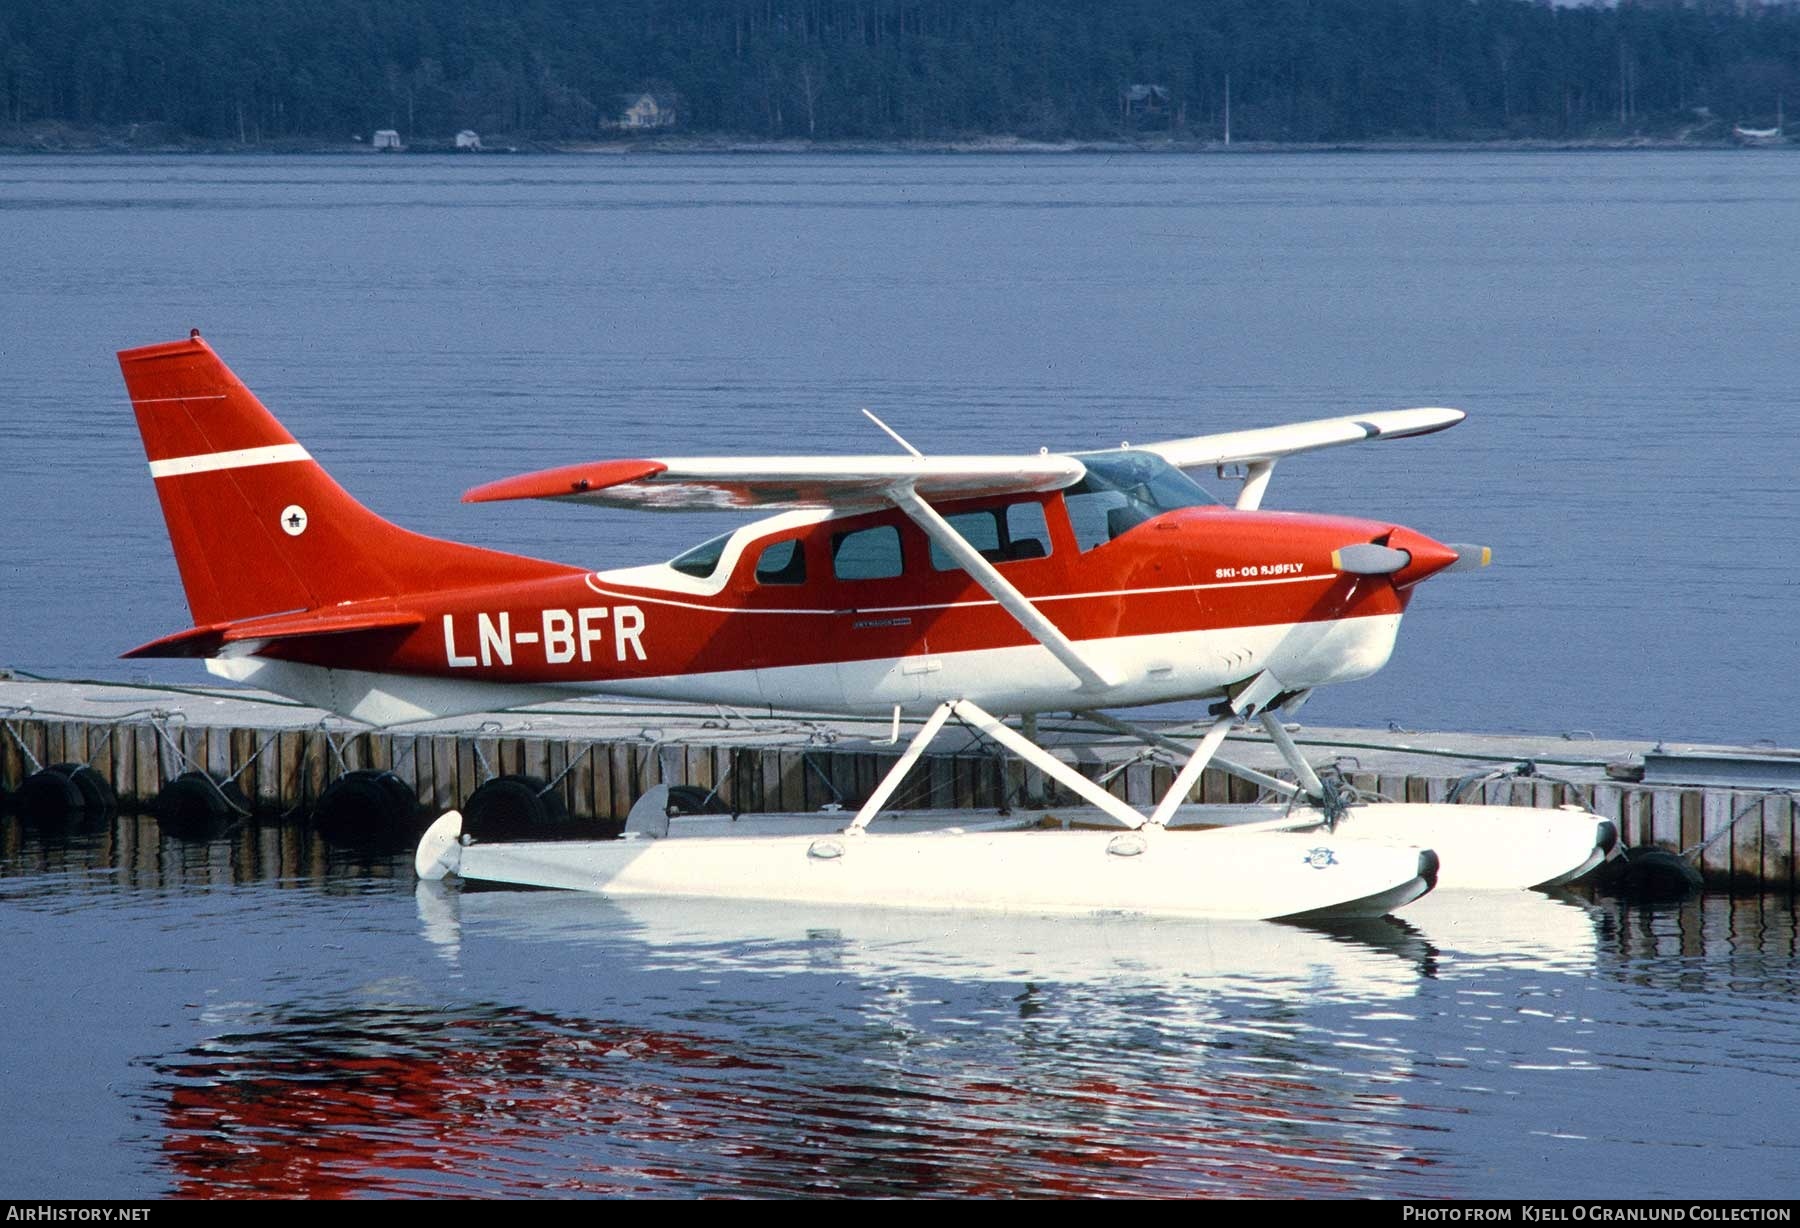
(293, 520)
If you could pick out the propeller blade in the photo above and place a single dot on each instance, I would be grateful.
(1368, 559)
(1469, 558)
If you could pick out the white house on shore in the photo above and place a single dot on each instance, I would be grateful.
(387, 139)
(643, 112)
(469, 139)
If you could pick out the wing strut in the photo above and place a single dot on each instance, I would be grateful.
(1256, 484)
(984, 573)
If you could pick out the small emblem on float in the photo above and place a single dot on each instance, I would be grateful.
(293, 520)
(1320, 858)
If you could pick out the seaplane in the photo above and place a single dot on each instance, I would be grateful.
(921, 588)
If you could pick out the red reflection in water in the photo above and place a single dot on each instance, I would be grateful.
(259, 1122)
(409, 1103)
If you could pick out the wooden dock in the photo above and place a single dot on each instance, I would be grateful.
(599, 757)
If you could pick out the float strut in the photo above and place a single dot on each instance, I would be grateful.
(1190, 771)
(1048, 763)
(991, 727)
(1309, 779)
(891, 781)
(1262, 780)
(1034, 780)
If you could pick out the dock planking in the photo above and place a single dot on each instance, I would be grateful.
(601, 758)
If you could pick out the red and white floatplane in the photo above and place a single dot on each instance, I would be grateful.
(962, 588)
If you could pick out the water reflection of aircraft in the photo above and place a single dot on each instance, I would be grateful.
(933, 587)
(753, 936)
(1367, 960)
(399, 1099)
(373, 1100)
(1524, 929)
(1244, 1096)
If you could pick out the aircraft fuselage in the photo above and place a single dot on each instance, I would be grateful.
(1180, 606)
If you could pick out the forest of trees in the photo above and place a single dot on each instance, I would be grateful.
(260, 71)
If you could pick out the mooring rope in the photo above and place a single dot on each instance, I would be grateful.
(1755, 803)
(183, 758)
(20, 742)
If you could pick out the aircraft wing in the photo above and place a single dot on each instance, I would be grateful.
(913, 483)
(1271, 443)
(910, 483)
(769, 483)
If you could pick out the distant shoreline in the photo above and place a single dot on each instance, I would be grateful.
(61, 139)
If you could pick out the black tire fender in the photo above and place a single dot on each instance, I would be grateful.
(49, 795)
(366, 808)
(514, 808)
(197, 805)
(97, 794)
(1652, 874)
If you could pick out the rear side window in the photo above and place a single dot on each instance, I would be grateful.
(782, 563)
(867, 554)
(980, 529)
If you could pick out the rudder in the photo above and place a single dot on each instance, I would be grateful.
(258, 527)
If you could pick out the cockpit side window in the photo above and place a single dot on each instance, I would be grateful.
(1027, 532)
(782, 563)
(1124, 489)
(1092, 515)
(702, 560)
(1001, 534)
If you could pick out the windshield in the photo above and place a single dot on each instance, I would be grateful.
(1123, 489)
(702, 560)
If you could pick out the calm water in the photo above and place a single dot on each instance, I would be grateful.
(256, 1016)
(1619, 326)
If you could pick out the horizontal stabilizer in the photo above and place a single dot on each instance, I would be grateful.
(209, 640)
(565, 481)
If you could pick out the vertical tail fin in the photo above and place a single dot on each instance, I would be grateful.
(257, 526)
